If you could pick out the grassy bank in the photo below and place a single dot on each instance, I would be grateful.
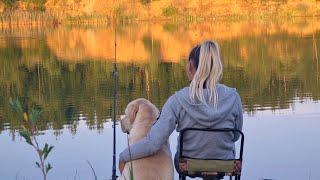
(36, 12)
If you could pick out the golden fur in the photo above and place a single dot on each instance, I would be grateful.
(139, 116)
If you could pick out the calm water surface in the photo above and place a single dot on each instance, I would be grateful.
(68, 72)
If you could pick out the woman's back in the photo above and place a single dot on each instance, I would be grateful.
(227, 114)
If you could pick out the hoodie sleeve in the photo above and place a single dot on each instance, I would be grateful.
(239, 117)
(158, 135)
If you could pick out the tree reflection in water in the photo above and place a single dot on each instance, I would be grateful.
(68, 71)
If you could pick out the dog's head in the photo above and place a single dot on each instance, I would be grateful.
(139, 107)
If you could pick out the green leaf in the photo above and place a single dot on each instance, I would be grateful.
(48, 151)
(38, 165)
(17, 106)
(45, 148)
(34, 115)
(26, 135)
(48, 167)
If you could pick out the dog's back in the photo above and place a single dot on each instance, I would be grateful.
(158, 167)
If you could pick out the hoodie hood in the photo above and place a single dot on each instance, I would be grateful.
(205, 113)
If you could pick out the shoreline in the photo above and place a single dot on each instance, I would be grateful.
(14, 19)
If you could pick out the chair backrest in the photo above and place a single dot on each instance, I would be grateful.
(193, 167)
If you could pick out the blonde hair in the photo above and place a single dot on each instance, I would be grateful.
(208, 74)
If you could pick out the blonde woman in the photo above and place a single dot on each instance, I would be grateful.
(203, 104)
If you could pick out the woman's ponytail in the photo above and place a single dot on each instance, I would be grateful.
(208, 74)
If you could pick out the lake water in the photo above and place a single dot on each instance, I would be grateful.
(67, 71)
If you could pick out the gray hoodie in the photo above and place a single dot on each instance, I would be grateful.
(179, 112)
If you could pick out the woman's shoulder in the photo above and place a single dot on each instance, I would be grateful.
(178, 96)
(228, 94)
(224, 89)
(223, 86)
(181, 92)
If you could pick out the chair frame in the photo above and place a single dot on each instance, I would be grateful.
(183, 175)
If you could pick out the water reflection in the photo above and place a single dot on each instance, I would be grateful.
(167, 42)
(68, 71)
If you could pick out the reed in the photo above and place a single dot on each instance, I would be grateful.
(26, 18)
(20, 19)
(87, 20)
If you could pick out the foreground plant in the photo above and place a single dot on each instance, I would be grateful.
(29, 132)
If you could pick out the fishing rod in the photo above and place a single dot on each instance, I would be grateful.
(115, 90)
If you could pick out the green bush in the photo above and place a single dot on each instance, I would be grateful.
(9, 3)
(169, 11)
(145, 2)
(38, 4)
(302, 8)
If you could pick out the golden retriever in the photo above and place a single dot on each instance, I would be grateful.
(140, 115)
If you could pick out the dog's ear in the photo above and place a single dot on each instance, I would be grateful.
(132, 111)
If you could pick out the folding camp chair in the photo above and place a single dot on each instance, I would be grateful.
(209, 168)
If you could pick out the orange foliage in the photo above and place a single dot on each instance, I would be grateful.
(203, 8)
